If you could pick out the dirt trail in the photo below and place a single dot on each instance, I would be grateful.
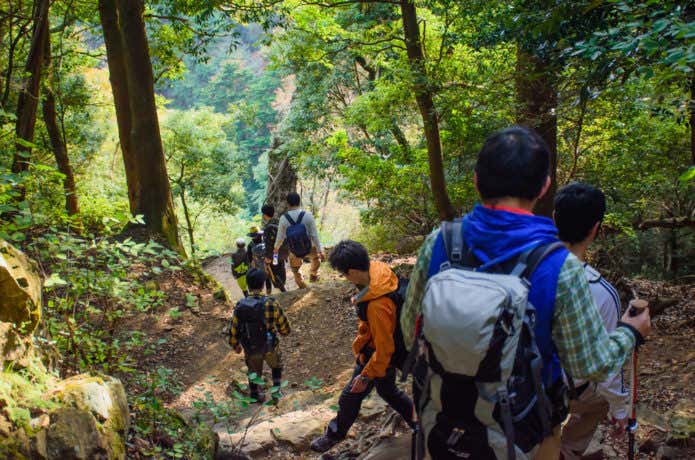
(193, 345)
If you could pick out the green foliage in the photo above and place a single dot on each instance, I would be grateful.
(155, 423)
(95, 283)
(22, 388)
(645, 33)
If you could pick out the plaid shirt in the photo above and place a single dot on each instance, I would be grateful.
(584, 347)
(275, 320)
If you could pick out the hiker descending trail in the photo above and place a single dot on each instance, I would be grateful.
(374, 348)
(298, 228)
(255, 325)
(501, 278)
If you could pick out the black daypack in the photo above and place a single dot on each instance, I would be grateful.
(252, 328)
(297, 237)
(270, 233)
(400, 352)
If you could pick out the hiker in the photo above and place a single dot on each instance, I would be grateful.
(274, 266)
(374, 345)
(299, 229)
(240, 265)
(256, 323)
(256, 255)
(464, 317)
(579, 210)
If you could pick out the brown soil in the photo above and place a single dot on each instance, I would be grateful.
(323, 326)
(194, 345)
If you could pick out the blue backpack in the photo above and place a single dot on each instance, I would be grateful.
(297, 237)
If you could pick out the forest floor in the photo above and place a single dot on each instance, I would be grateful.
(317, 361)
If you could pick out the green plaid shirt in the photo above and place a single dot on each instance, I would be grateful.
(584, 347)
(275, 320)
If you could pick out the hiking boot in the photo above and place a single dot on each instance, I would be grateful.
(324, 443)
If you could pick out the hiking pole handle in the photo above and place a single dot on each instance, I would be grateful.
(637, 306)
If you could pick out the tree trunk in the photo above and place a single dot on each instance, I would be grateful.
(28, 102)
(108, 15)
(430, 119)
(691, 106)
(149, 191)
(187, 215)
(282, 178)
(324, 204)
(14, 41)
(60, 151)
(537, 108)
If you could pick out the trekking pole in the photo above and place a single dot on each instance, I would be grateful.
(635, 308)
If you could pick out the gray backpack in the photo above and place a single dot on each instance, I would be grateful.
(483, 396)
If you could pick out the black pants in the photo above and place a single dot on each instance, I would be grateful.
(349, 403)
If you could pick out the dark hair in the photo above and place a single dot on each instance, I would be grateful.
(578, 207)
(268, 210)
(514, 162)
(349, 254)
(255, 279)
(293, 199)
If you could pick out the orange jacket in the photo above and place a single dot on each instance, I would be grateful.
(377, 331)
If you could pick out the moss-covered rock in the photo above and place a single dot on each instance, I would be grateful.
(72, 435)
(105, 399)
(20, 289)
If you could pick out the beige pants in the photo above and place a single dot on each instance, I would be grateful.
(550, 447)
(585, 415)
(296, 264)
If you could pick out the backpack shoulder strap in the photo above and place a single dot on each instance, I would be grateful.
(458, 254)
(529, 261)
(289, 219)
(452, 235)
(300, 217)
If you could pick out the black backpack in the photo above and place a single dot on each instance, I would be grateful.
(297, 237)
(400, 352)
(252, 329)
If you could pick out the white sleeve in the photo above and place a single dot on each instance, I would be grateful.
(613, 388)
(282, 232)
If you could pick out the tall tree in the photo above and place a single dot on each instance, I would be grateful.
(60, 151)
(148, 184)
(282, 177)
(115, 53)
(425, 102)
(28, 102)
(57, 137)
(536, 89)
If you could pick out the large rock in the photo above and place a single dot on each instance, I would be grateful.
(20, 289)
(391, 448)
(104, 399)
(73, 434)
(295, 429)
